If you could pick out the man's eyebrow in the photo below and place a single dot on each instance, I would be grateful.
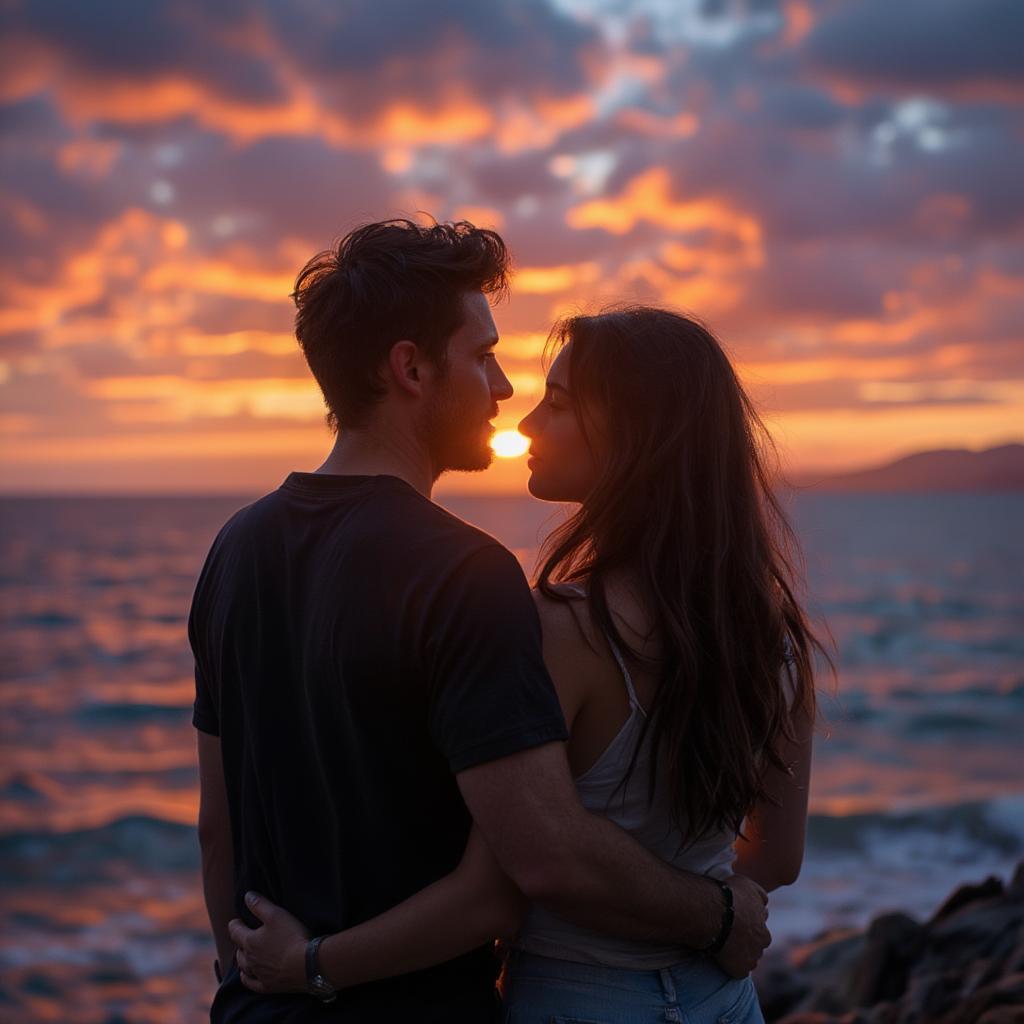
(556, 387)
(489, 343)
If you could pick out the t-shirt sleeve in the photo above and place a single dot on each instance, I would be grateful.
(490, 694)
(204, 712)
(204, 708)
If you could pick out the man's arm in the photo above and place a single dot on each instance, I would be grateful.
(216, 846)
(589, 871)
(491, 698)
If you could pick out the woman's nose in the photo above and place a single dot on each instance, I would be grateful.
(526, 424)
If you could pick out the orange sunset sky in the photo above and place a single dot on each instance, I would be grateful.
(834, 187)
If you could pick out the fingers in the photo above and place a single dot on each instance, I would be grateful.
(252, 983)
(247, 972)
(240, 933)
(259, 906)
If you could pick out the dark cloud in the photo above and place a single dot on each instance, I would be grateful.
(503, 45)
(356, 57)
(222, 314)
(819, 283)
(503, 180)
(121, 39)
(933, 44)
(277, 188)
(18, 343)
(800, 107)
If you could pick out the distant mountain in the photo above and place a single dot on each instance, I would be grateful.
(995, 469)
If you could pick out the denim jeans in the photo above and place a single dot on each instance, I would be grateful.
(542, 990)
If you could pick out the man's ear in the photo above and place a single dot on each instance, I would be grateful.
(405, 363)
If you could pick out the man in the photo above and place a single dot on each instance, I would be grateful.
(369, 678)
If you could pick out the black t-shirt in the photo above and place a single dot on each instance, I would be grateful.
(356, 646)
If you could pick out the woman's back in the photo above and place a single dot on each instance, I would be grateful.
(606, 696)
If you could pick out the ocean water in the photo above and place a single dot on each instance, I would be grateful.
(917, 782)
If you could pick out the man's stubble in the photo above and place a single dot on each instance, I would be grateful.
(457, 437)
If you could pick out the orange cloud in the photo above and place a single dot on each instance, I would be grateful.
(704, 273)
(119, 252)
(171, 398)
(272, 343)
(90, 157)
(481, 216)
(396, 114)
(648, 198)
(550, 280)
(538, 124)
(796, 370)
(220, 277)
(799, 21)
(645, 122)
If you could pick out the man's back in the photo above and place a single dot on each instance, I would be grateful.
(355, 646)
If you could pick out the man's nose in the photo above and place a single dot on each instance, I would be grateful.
(501, 386)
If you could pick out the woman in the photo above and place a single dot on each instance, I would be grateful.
(683, 662)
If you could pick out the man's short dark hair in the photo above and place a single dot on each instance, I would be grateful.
(385, 282)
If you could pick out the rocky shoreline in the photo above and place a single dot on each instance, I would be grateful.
(965, 965)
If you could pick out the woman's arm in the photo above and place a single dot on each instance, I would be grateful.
(473, 905)
(773, 848)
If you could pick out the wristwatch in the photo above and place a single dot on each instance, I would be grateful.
(316, 984)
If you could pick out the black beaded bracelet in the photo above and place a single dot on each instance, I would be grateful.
(728, 916)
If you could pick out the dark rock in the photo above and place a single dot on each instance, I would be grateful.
(994, 1005)
(965, 965)
(779, 988)
(1003, 1015)
(894, 941)
(968, 894)
(1016, 886)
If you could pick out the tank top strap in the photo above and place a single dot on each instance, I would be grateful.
(634, 701)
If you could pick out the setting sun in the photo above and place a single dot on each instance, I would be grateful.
(509, 444)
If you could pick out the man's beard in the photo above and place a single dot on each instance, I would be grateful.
(456, 440)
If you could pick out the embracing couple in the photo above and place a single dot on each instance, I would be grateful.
(405, 754)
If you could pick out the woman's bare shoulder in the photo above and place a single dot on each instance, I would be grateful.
(565, 619)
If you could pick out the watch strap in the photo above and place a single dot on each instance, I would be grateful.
(316, 983)
(728, 917)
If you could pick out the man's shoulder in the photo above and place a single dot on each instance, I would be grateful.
(389, 520)
(429, 533)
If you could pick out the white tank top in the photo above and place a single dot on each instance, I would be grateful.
(601, 792)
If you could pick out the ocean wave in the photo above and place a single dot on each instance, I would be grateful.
(115, 712)
(996, 824)
(89, 855)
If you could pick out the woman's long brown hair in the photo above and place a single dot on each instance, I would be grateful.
(685, 506)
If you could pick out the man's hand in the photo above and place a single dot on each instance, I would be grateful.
(271, 958)
(749, 937)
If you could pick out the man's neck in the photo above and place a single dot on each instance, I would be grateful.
(377, 453)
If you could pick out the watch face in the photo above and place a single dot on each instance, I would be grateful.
(322, 987)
